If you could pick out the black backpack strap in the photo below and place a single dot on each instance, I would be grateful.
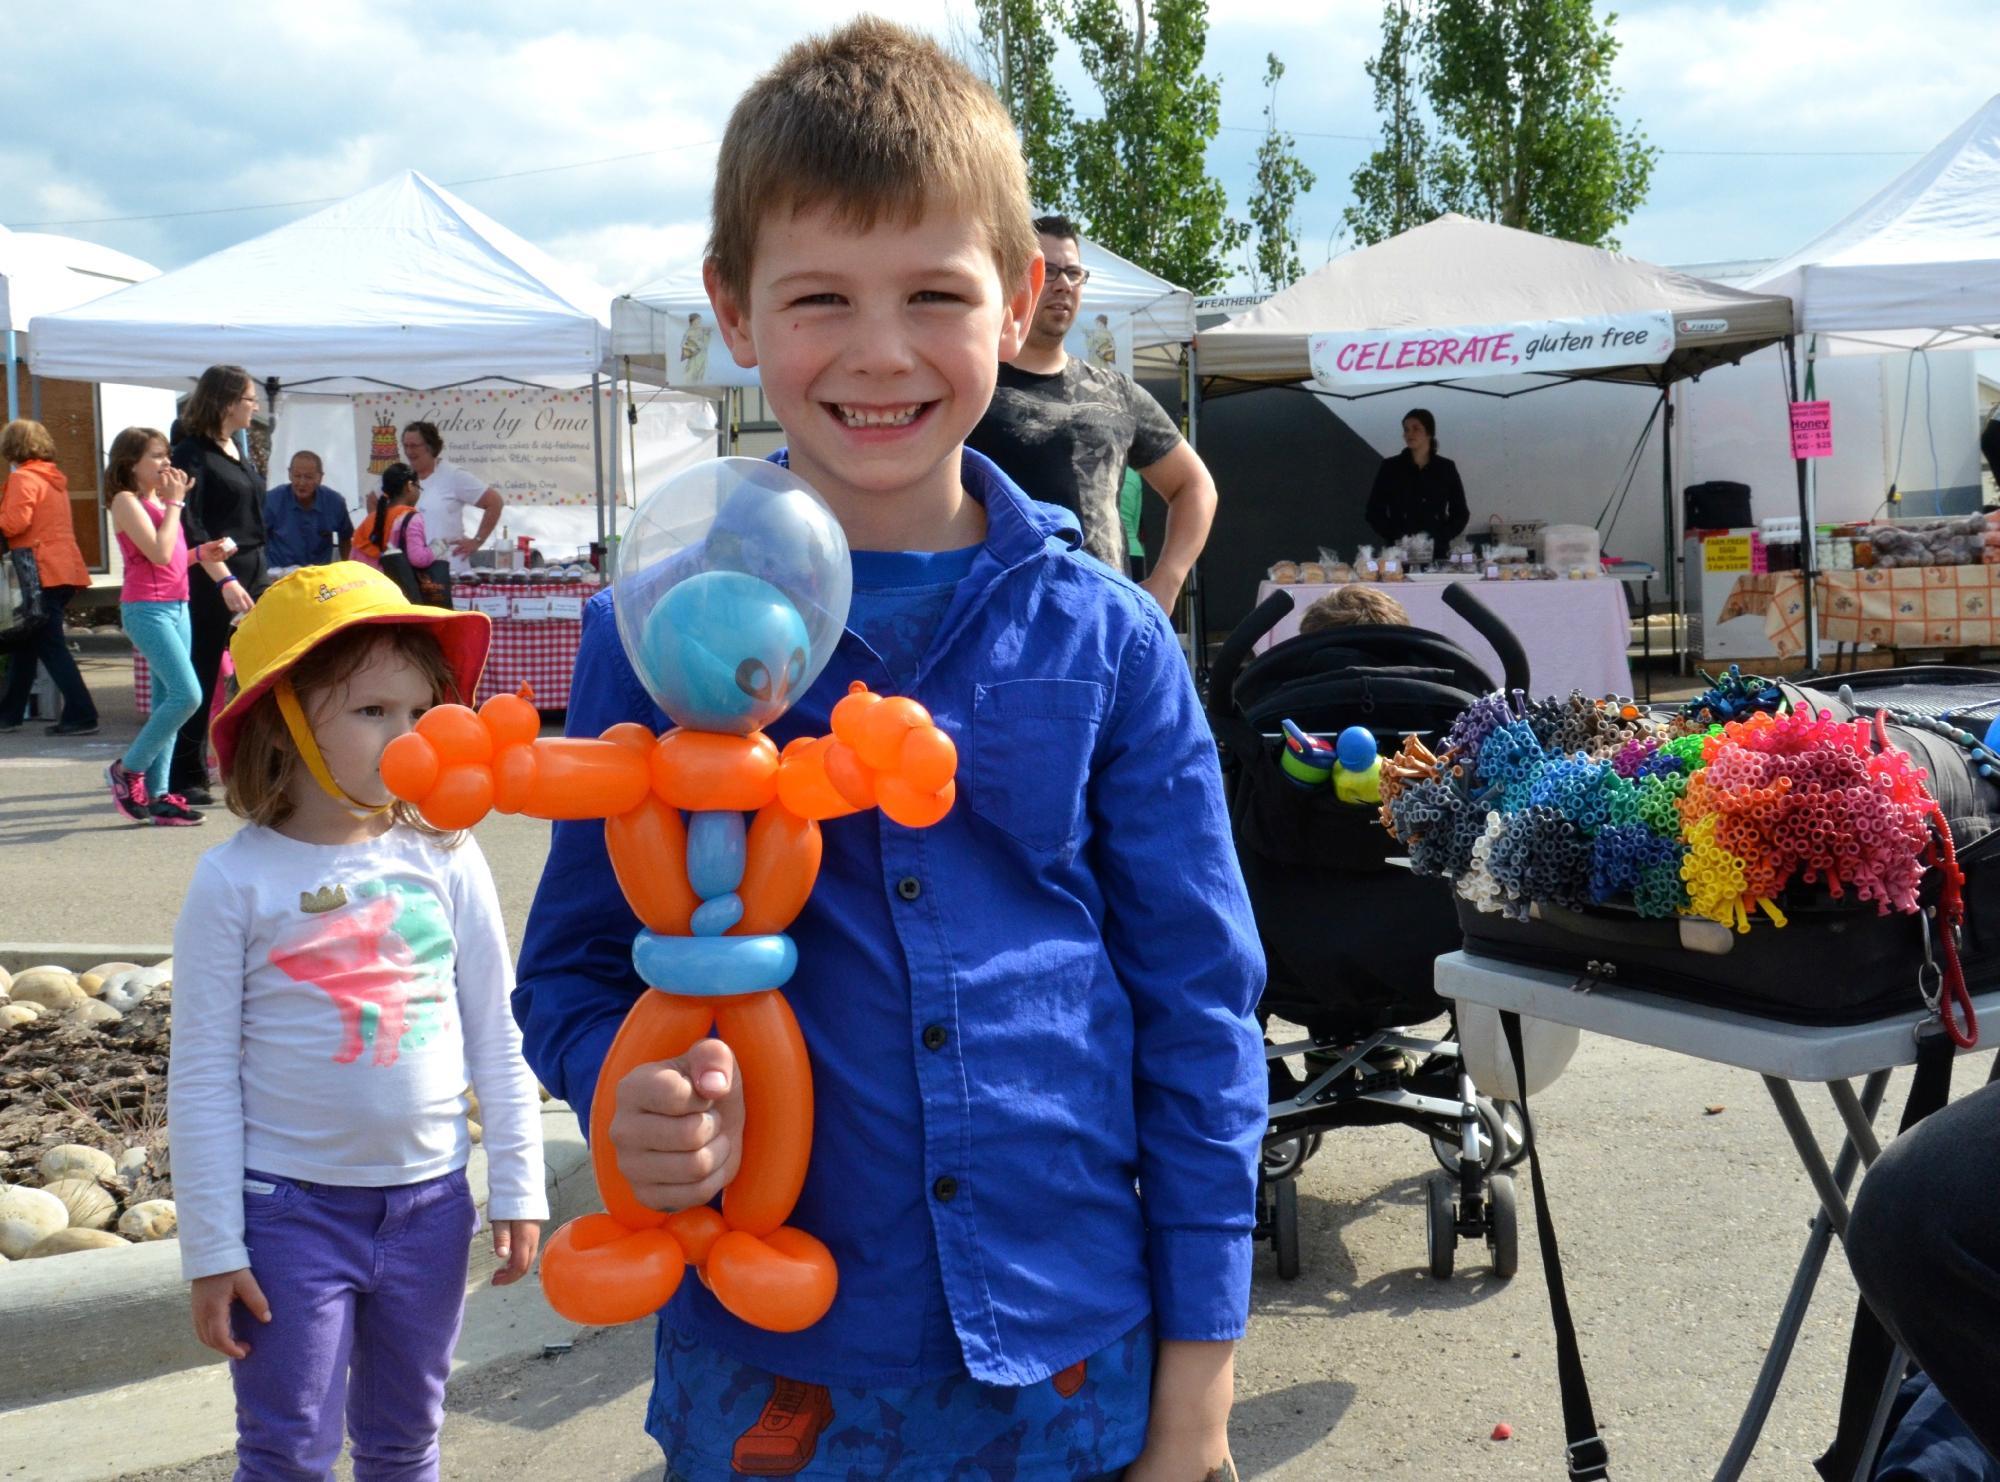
(1588, 1457)
(1870, 1349)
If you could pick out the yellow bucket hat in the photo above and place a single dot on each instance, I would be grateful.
(302, 610)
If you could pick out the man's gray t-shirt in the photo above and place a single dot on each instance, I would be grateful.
(1067, 438)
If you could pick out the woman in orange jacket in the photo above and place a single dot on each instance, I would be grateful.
(34, 516)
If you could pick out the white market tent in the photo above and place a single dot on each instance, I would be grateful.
(403, 285)
(1455, 271)
(648, 322)
(1915, 268)
(41, 274)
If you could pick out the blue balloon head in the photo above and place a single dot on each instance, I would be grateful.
(731, 592)
(1355, 749)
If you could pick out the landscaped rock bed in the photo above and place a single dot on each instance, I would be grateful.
(83, 1108)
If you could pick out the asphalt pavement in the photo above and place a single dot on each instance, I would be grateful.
(1681, 1205)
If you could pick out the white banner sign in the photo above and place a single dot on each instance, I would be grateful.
(696, 355)
(532, 444)
(1388, 357)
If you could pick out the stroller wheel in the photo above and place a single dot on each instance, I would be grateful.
(1440, 1226)
(1285, 1227)
(1503, 1229)
(1283, 1160)
(1501, 1126)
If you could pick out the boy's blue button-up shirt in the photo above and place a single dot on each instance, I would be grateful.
(1039, 1083)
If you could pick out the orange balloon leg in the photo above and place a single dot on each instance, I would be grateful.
(660, 1026)
(777, 1110)
(782, 1282)
(596, 1271)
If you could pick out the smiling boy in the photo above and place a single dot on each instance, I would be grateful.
(1038, 1081)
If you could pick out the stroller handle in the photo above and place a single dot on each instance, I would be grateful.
(1229, 658)
(1484, 621)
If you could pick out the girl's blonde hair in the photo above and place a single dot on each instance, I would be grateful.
(266, 765)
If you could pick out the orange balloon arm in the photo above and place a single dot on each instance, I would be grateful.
(884, 753)
(648, 849)
(782, 861)
(457, 765)
(660, 1026)
(777, 1110)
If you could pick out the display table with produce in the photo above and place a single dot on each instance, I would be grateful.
(1575, 632)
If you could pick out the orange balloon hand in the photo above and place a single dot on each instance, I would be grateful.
(889, 751)
(450, 764)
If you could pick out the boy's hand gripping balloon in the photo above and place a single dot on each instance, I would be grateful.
(731, 593)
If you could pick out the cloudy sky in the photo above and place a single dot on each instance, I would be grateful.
(589, 127)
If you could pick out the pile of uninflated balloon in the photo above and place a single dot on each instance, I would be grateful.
(1715, 812)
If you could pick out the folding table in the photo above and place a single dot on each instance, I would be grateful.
(1782, 1054)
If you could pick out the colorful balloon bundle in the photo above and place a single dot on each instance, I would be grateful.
(1579, 802)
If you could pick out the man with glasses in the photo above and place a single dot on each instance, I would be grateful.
(1065, 430)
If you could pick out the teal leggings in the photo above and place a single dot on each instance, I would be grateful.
(160, 631)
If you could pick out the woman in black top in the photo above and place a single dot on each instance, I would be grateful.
(227, 498)
(1417, 491)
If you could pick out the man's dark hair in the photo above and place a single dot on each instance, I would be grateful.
(1057, 225)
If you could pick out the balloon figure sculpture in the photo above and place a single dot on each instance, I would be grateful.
(732, 590)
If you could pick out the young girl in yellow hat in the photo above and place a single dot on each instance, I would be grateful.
(341, 972)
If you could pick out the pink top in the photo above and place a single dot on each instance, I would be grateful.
(147, 580)
(408, 538)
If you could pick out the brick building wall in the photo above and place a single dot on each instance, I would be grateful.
(69, 411)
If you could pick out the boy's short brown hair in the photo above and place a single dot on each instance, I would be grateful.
(876, 121)
(1352, 607)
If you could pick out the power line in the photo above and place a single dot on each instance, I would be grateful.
(612, 159)
(1786, 154)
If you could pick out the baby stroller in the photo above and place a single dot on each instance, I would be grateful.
(1349, 933)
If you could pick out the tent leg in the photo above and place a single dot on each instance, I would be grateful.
(1197, 594)
(1671, 557)
(597, 445)
(13, 388)
(1807, 522)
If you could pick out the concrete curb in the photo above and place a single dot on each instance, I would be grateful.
(99, 1319)
(15, 956)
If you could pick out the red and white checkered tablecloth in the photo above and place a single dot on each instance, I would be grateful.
(538, 652)
(142, 684)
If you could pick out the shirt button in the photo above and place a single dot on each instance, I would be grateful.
(945, 1188)
(934, 1037)
(909, 887)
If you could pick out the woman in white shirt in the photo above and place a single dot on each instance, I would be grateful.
(448, 492)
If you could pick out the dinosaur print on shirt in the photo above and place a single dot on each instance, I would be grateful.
(383, 955)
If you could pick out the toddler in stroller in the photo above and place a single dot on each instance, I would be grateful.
(1350, 935)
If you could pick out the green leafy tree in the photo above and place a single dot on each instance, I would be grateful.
(1015, 52)
(1281, 180)
(1391, 191)
(1140, 171)
(1521, 96)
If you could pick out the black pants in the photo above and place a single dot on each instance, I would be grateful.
(48, 649)
(1924, 1242)
(209, 617)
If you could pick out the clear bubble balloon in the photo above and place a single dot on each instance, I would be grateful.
(732, 589)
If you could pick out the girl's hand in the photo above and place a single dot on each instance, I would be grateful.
(174, 484)
(514, 1246)
(236, 597)
(210, 550)
(214, 1296)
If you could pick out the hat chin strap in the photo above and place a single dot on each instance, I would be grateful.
(302, 737)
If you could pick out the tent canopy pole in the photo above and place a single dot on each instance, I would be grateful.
(597, 444)
(1807, 525)
(13, 390)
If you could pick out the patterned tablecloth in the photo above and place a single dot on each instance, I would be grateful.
(1897, 607)
(1575, 632)
(530, 646)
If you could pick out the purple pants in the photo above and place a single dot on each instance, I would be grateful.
(367, 1289)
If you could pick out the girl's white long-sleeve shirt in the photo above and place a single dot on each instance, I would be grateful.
(331, 1002)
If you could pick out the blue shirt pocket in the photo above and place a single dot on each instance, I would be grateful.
(1032, 741)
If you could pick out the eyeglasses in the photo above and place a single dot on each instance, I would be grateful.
(1075, 277)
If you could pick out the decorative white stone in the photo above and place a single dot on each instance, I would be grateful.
(93, 981)
(74, 1160)
(6, 981)
(127, 990)
(52, 987)
(94, 1011)
(149, 1219)
(131, 1163)
(12, 1014)
(89, 1204)
(27, 1217)
(64, 1241)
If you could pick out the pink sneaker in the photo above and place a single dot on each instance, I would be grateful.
(128, 791)
(171, 811)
